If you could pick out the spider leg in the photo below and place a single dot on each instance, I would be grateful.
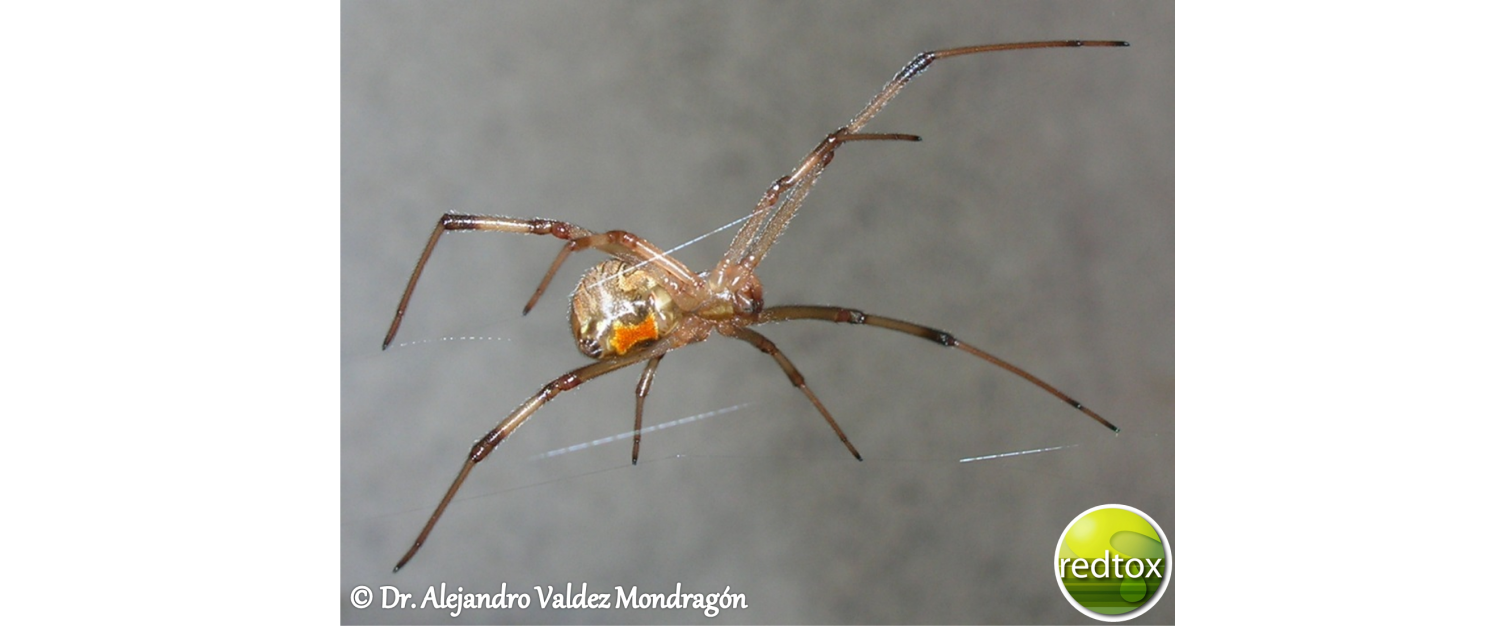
(853, 316)
(925, 59)
(769, 348)
(630, 248)
(641, 389)
(485, 445)
(455, 221)
(784, 197)
(782, 200)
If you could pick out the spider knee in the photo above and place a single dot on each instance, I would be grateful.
(624, 238)
(917, 65)
(850, 316)
(480, 451)
(937, 335)
(455, 221)
(560, 385)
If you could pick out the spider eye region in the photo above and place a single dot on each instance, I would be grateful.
(618, 309)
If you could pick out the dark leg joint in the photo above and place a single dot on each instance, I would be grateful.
(941, 337)
(798, 382)
(560, 385)
(624, 238)
(917, 65)
(458, 221)
(558, 231)
(481, 450)
(850, 316)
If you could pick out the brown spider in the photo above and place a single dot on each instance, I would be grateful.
(642, 303)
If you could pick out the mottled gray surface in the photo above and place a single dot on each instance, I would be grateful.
(1035, 220)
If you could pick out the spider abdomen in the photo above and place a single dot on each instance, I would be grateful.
(618, 309)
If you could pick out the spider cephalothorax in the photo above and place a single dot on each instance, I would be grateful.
(642, 302)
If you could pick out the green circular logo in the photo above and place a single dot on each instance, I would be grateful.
(1113, 562)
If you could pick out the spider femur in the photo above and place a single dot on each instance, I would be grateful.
(618, 309)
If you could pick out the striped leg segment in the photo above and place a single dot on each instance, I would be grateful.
(853, 316)
(769, 348)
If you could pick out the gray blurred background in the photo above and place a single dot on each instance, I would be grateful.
(1034, 220)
